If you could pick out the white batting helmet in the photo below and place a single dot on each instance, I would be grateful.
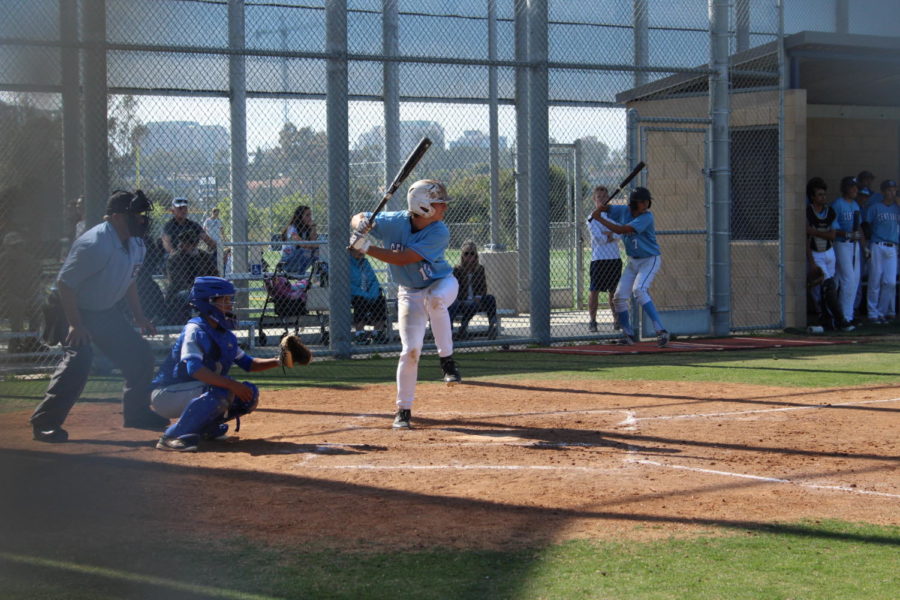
(422, 194)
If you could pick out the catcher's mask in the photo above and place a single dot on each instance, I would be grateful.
(422, 194)
(205, 289)
(136, 208)
(640, 194)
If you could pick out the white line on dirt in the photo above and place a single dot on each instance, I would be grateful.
(763, 410)
(463, 468)
(838, 488)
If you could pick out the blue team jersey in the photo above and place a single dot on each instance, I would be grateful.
(216, 348)
(641, 243)
(845, 210)
(885, 222)
(395, 231)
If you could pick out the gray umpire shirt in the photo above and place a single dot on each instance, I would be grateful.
(100, 268)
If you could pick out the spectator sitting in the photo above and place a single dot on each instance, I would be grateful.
(472, 296)
(20, 302)
(297, 258)
(213, 228)
(180, 222)
(369, 304)
(183, 266)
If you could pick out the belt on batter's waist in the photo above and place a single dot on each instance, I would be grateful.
(888, 244)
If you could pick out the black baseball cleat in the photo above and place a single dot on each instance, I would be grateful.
(50, 435)
(625, 340)
(662, 338)
(402, 419)
(451, 372)
(187, 443)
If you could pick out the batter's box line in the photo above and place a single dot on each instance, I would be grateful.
(756, 411)
(449, 467)
(815, 486)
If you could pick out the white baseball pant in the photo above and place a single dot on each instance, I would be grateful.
(881, 295)
(847, 275)
(636, 279)
(415, 307)
(825, 261)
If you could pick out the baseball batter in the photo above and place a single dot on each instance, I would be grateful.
(644, 261)
(883, 228)
(847, 249)
(192, 384)
(414, 242)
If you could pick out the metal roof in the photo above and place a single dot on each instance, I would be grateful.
(834, 68)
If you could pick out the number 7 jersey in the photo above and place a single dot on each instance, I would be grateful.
(641, 243)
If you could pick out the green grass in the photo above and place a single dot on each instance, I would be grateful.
(870, 363)
(806, 560)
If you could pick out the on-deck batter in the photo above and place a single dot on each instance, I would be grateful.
(639, 237)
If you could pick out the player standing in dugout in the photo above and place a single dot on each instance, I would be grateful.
(414, 244)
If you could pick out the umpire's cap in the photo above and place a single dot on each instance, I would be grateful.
(126, 202)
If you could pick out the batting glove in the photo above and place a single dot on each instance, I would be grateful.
(363, 226)
(360, 242)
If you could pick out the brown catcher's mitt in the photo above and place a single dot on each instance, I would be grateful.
(294, 352)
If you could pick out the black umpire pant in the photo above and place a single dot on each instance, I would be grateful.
(116, 338)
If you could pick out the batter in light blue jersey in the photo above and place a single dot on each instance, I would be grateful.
(883, 228)
(413, 245)
(639, 237)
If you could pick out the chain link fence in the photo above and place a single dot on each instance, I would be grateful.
(226, 105)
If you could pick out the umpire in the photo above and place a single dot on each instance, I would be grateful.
(99, 271)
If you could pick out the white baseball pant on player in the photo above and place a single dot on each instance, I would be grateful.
(881, 296)
(415, 307)
(636, 279)
(847, 275)
(825, 261)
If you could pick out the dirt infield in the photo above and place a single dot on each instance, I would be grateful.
(496, 464)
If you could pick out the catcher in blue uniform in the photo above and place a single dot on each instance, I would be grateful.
(192, 384)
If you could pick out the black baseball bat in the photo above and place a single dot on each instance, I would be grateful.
(411, 161)
(634, 173)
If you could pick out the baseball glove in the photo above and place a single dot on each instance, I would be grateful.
(293, 352)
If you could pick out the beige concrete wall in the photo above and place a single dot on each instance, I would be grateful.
(841, 145)
(675, 176)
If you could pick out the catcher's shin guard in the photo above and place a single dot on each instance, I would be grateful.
(204, 411)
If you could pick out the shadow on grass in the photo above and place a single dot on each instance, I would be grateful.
(120, 515)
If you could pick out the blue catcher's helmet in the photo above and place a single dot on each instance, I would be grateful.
(207, 288)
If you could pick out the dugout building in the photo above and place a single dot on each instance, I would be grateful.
(840, 95)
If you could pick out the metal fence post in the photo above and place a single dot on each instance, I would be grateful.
(539, 189)
(237, 84)
(338, 176)
(719, 106)
(96, 142)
